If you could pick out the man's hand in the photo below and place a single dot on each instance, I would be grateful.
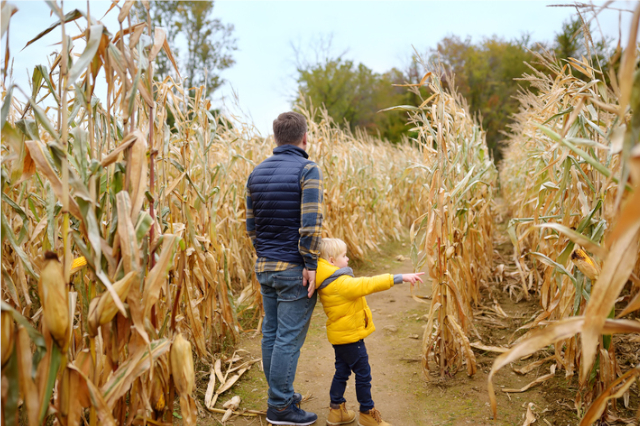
(310, 278)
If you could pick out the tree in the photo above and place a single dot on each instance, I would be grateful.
(354, 94)
(485, 75)
(570, 42)
(209, 42)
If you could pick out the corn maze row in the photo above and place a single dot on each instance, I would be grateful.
(124, 251)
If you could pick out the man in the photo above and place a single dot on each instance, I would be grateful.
(284, 221)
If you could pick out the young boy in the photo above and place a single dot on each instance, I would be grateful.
(349, 322)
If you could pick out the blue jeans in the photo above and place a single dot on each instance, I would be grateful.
(352, 357)
(287, 315)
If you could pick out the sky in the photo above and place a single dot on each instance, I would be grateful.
(379, 34)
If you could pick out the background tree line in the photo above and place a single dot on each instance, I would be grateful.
(484, 73)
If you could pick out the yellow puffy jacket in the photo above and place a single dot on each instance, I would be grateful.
(348, 316)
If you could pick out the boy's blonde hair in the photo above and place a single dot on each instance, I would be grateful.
(332, 247)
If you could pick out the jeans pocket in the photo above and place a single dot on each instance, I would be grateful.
(288, 284)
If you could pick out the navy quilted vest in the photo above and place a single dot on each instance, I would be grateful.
(276, 195)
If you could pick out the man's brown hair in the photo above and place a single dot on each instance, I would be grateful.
(289, 128)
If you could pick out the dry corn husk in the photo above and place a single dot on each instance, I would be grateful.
(586, 265)
(231, 405)
(182, 365)
(7, 336)
(55, 300)
(137, 172)
(102, 309)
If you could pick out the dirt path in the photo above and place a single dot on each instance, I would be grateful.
(400, 390)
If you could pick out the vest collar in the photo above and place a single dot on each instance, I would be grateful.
(290, 149)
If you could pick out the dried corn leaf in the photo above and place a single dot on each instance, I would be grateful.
(208, 396)
(536, 382)
(615, 390)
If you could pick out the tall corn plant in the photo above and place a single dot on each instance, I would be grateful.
(453, 235)
(576, 219)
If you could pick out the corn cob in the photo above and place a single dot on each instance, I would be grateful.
(7, 336)
(55, 299)
(586, 265)
(182, 365)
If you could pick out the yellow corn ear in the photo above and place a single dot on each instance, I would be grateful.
(157, 393)
(586, 265)
(55, 299)
(7, 336)
(102, 309)
(182, 365)
(78, 263)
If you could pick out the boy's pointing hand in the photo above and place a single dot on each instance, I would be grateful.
(412, 278)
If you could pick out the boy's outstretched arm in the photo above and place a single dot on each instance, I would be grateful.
(352, 288)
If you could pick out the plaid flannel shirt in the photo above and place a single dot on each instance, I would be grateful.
(310, 223)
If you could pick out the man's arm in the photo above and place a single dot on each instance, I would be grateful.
(310, 221)
(251, 222)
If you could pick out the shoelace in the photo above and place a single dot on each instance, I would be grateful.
(376, 415)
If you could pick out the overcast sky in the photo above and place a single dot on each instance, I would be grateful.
(378, 34)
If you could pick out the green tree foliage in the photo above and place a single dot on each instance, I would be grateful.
(570, 42)
(485, 75)
(353, 94)
(209, 43)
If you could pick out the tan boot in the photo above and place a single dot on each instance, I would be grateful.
(372, 418)
(341, 416)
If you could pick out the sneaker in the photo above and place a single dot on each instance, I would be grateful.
(371, 418)
(292, 415)
(341, 416)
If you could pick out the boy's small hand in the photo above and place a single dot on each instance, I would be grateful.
(412, 278)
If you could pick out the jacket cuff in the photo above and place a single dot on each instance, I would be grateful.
(310, 264)
(397, 279)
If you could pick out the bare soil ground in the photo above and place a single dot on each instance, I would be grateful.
(400, 389)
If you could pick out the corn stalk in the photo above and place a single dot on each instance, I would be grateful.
(453, 235)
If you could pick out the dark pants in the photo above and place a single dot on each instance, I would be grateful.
(352, 357)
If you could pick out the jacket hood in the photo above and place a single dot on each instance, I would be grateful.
(328, 273)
